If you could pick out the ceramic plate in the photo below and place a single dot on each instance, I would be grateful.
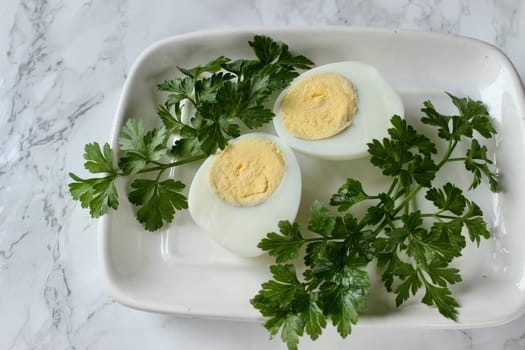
(180, 270)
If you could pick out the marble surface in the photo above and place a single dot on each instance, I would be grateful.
(62, 66)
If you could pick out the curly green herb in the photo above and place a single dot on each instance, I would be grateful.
(224, 93)
(413, 249)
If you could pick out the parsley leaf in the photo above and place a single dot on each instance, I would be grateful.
(287, 59)
(324, 258)
(431, 254)
(285, 245)
(344, 300)
(443, 275)
(188, 144)
(410, 285)
(313, 317)
(172, 123)
(212, 66)
(282, 300)
(473, 221)
(384, 210)
(449, 235)
(230, 93)
(472, 116)
(97, 194)
(268, 51)
(292, 329)
(335, 285)
(449, 198)
(405, 135)
(347, 195)
(157, 201)
(477, 162)
(320, 221)
(476, 113)
(202, 108)
(181, 91)
(265, 49)
(441, 121)
(206, 89)
(442, 298)
(98, 160)
(413, 249)
(138, 147)
(396, 158)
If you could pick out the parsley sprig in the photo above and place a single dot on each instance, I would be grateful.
(224, 93)
(412, 249)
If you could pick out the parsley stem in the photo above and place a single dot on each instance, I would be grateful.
(436, 215)
(159, 174)
(407, 198)
(173, 164)
(315, 239)
(392, 186)
(380, 227)
(451, 146)
(407, 206)
(400, 190)
(189, 98)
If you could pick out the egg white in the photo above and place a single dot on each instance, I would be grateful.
(240, 229)
(377, 102)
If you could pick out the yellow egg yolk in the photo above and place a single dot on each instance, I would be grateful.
(318, 106)
(246, 172)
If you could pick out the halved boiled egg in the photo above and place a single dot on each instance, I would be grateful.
(241, 193)
(333, 111)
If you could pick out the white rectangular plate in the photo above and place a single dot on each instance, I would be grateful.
(180, 270)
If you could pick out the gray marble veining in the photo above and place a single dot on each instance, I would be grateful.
(62, 65)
